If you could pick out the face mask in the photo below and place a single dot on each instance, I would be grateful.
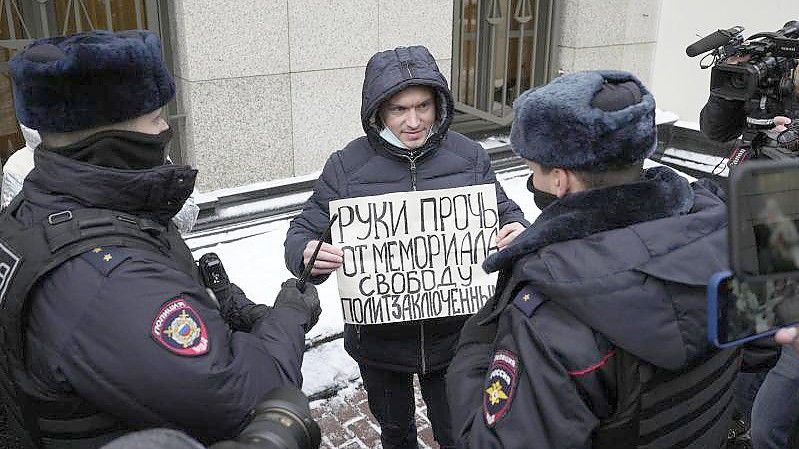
(125, 150)
(389, 137)
(541, 198)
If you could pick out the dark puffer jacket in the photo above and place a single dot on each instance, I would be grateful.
(371, 166)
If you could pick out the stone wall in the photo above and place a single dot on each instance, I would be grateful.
(271, 87)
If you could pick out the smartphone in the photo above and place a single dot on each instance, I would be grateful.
(740, 309)
(764, 219)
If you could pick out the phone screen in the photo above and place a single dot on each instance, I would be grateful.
(766, 225)
(750, 309)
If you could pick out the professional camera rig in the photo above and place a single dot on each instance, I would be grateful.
(758, 71)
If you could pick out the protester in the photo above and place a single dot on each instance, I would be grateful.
(406, 112)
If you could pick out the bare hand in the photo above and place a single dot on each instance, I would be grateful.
(788, 336)
(507, 233)
(780, 123)
(327, 261)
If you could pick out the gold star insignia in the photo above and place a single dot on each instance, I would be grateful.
(107, 257)
(495, 393)
(526, 297)
(97, 250)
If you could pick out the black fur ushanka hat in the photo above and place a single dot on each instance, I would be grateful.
(87, 80)
(560, 125)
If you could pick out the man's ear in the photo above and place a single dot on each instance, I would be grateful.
(566, 182)
(560, 182)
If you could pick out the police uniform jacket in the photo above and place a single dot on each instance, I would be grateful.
(602, 274)
(371, 166)
(123, 331)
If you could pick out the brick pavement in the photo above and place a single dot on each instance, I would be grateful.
(346, 422)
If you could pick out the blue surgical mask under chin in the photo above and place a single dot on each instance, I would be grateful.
(389, 136)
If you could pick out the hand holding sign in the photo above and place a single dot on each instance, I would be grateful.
(327, 261)
(507, 233)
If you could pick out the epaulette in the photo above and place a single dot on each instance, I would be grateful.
(527, 300)
(107, 258)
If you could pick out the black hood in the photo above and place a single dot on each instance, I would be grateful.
(59, 183)
(391, 71)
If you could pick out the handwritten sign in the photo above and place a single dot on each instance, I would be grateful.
(415, 255)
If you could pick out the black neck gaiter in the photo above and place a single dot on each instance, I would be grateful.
(541, 198)
(125, 150)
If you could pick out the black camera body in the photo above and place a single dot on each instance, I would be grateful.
(769, 70)
(762, 75)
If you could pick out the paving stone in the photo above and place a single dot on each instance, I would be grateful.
(346, 422)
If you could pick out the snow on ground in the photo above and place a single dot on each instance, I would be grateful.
(253, 258)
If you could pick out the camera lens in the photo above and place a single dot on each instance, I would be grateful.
(282, 421)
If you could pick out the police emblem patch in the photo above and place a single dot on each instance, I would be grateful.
(9, 261)
(180, 329)
(500, 386)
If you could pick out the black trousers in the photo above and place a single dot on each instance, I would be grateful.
(391, 400)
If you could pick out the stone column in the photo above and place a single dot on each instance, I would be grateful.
(607, 34)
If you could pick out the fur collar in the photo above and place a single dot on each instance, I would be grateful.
(660, 193)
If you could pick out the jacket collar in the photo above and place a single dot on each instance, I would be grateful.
(660, 193)
(59, 183)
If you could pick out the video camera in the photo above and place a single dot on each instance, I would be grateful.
(758, 71)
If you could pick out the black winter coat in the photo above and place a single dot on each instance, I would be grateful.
(370, 166)
(622, 267)
(97, 325)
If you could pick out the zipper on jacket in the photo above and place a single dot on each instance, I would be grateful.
(412, 161)
(413, 174)
(421, 334)
(358, 333)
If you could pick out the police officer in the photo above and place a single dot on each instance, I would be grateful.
(596, 336)
(106, 326)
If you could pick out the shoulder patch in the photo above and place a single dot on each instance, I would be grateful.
(527, 300)
(9, 262)
(178, 328)
(500, 386)
(106, 258)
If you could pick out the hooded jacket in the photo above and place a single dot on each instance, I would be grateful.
(96, 323)
(371, 166)
(601, 273)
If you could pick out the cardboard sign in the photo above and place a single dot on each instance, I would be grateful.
(415, 255)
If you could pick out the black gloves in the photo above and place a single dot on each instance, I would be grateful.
(306, 302)
(239, 312)
(475, 333)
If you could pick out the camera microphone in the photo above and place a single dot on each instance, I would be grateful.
(712, 41)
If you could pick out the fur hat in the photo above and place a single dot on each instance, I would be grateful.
(587, 121)
(87, 80)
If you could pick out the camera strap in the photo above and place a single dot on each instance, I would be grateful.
(739, 154)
